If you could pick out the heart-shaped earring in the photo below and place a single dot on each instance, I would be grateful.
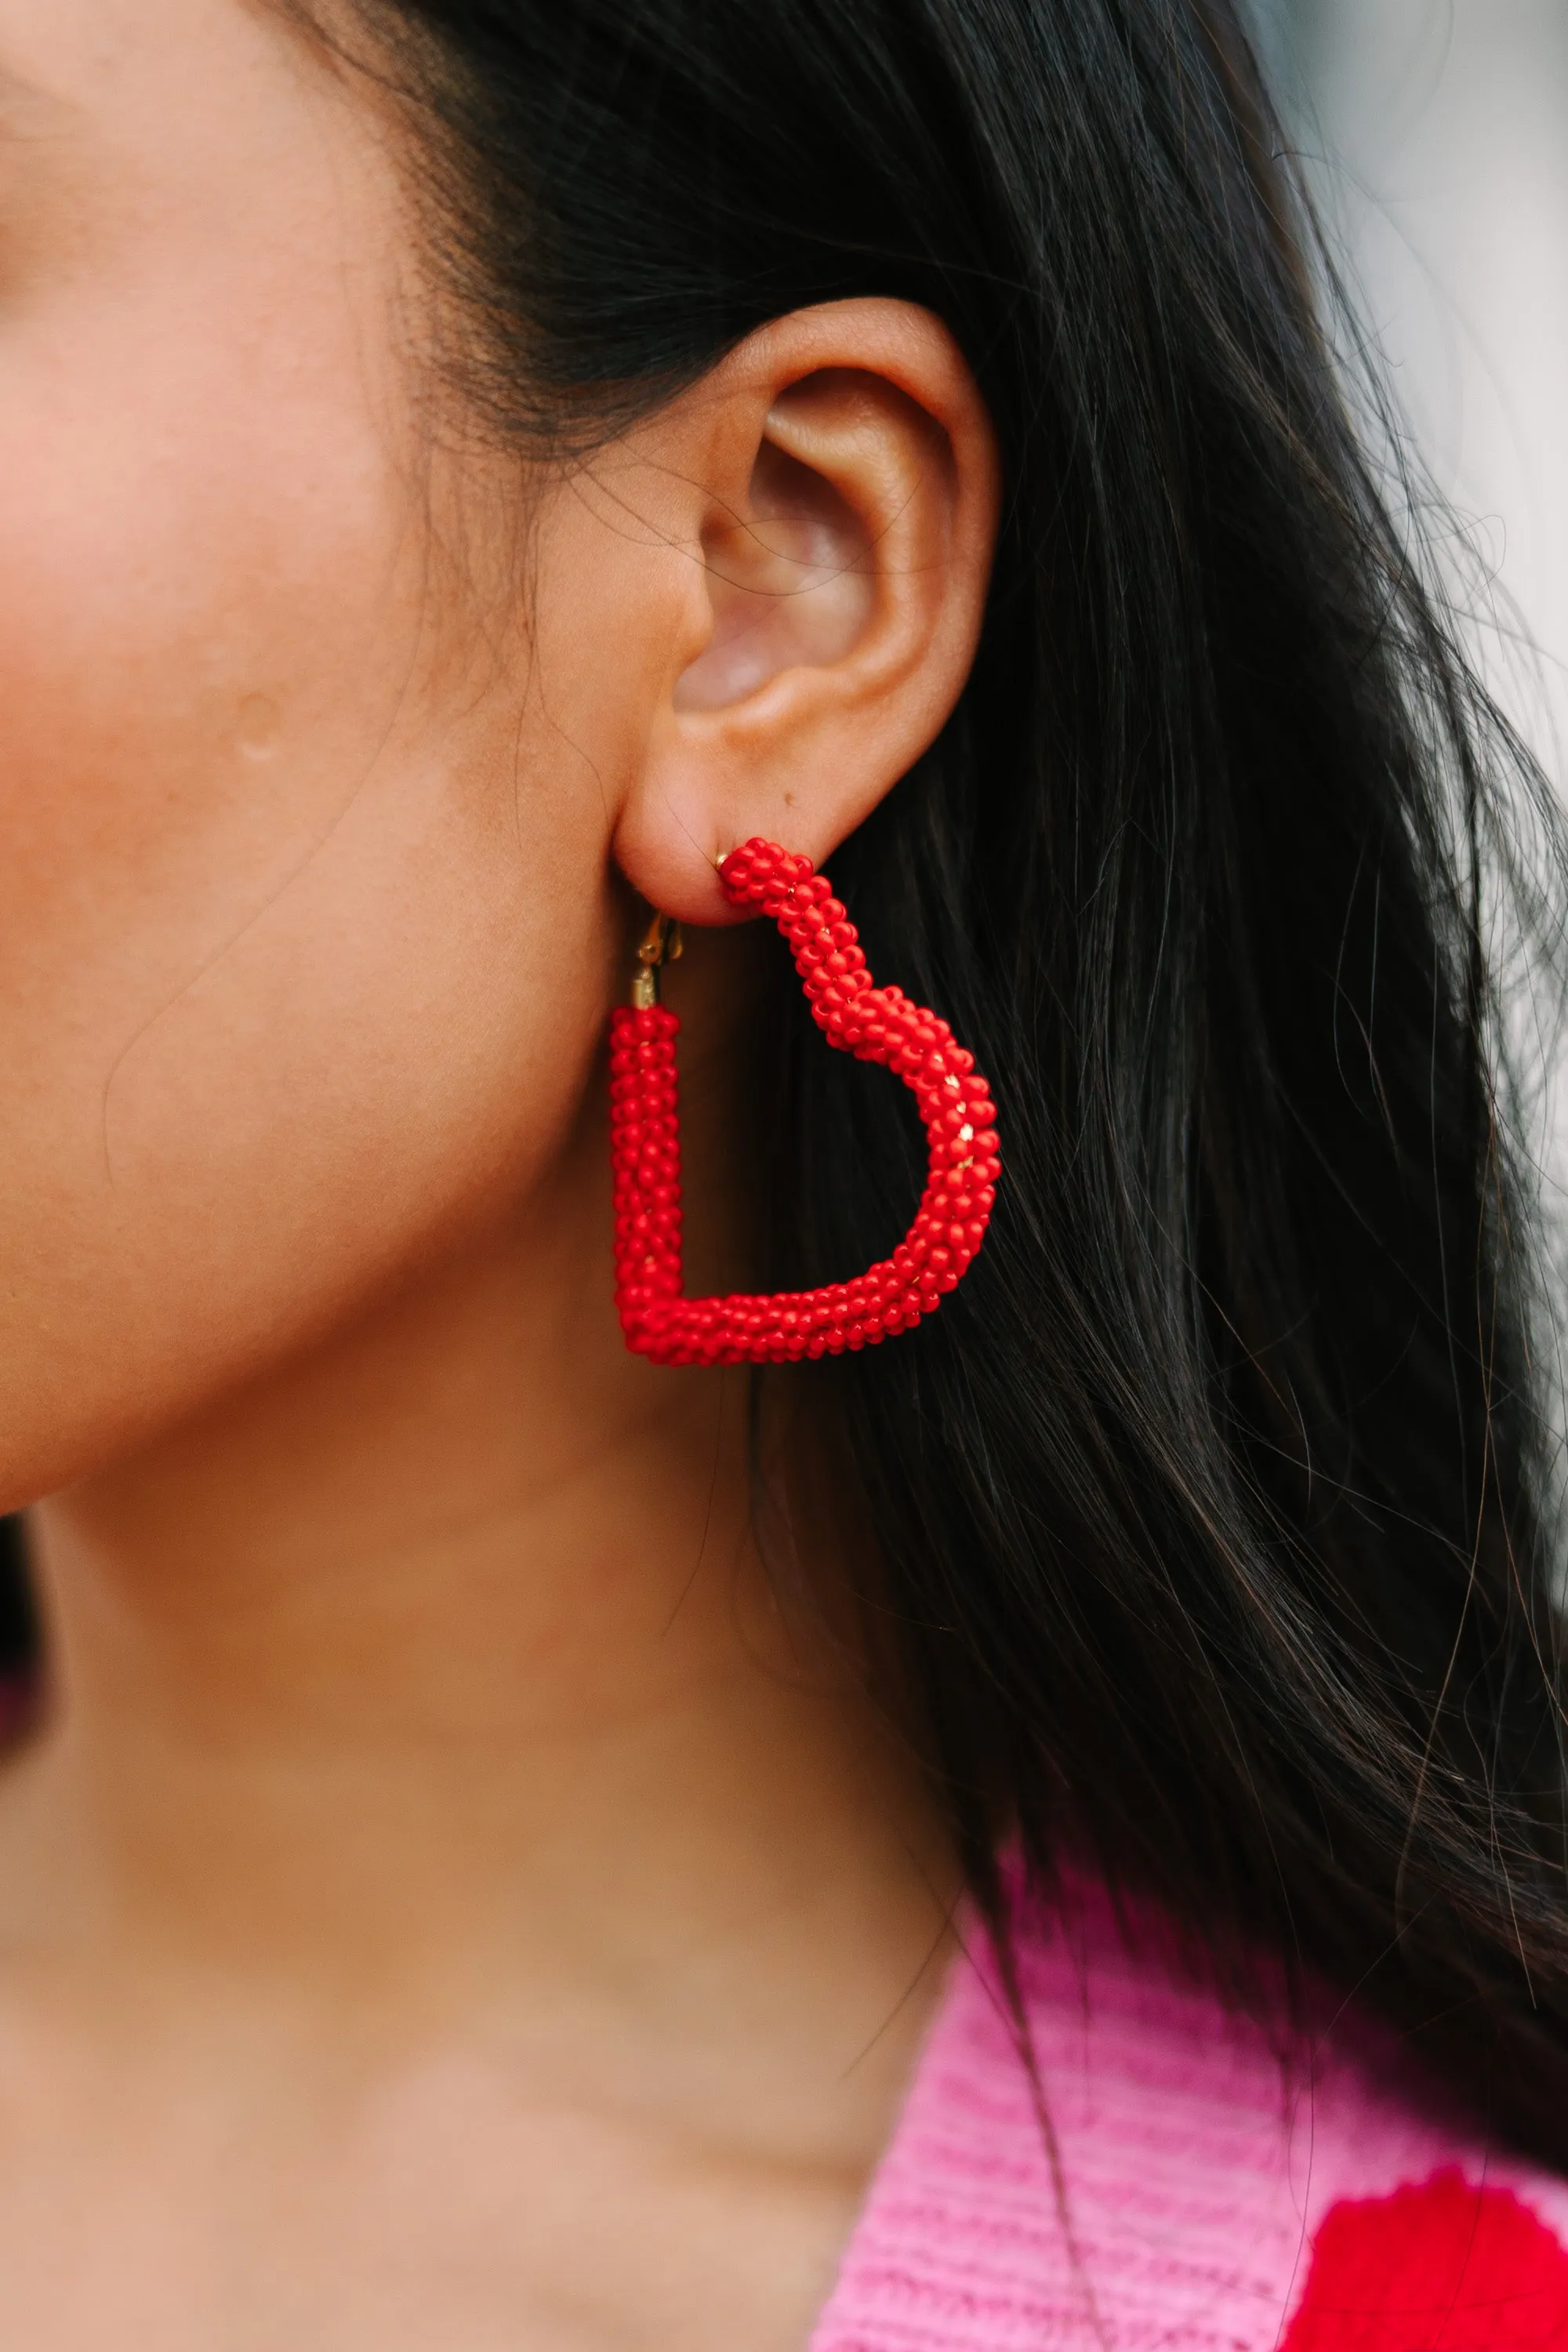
(876, 1024)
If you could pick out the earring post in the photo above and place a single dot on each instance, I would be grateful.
(662, 943)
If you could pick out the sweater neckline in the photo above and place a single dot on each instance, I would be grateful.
(1170, 2179)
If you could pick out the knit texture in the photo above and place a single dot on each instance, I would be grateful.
(1217, 2188)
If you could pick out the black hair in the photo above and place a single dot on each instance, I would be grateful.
(1210, 1506)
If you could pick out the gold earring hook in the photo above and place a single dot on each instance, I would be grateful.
(662, 943)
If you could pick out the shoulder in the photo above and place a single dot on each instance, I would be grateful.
(1167, 2173)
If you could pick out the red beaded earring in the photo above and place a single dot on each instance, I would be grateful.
(876, 1024)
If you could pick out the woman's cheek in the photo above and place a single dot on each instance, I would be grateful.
(283, 1005)
(217, 1147)
(304, 934)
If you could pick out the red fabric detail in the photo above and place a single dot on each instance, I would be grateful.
(1447, 2267)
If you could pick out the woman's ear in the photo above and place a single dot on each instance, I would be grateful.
(843, 492)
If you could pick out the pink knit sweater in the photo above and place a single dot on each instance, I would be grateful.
(1213, 2199)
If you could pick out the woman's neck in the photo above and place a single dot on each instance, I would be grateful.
(444, 1668)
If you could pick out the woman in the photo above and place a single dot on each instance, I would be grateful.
(1043, 1821)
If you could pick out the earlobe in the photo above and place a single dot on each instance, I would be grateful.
(848, 516)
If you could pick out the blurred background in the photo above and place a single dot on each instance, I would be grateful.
(1436, 134)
